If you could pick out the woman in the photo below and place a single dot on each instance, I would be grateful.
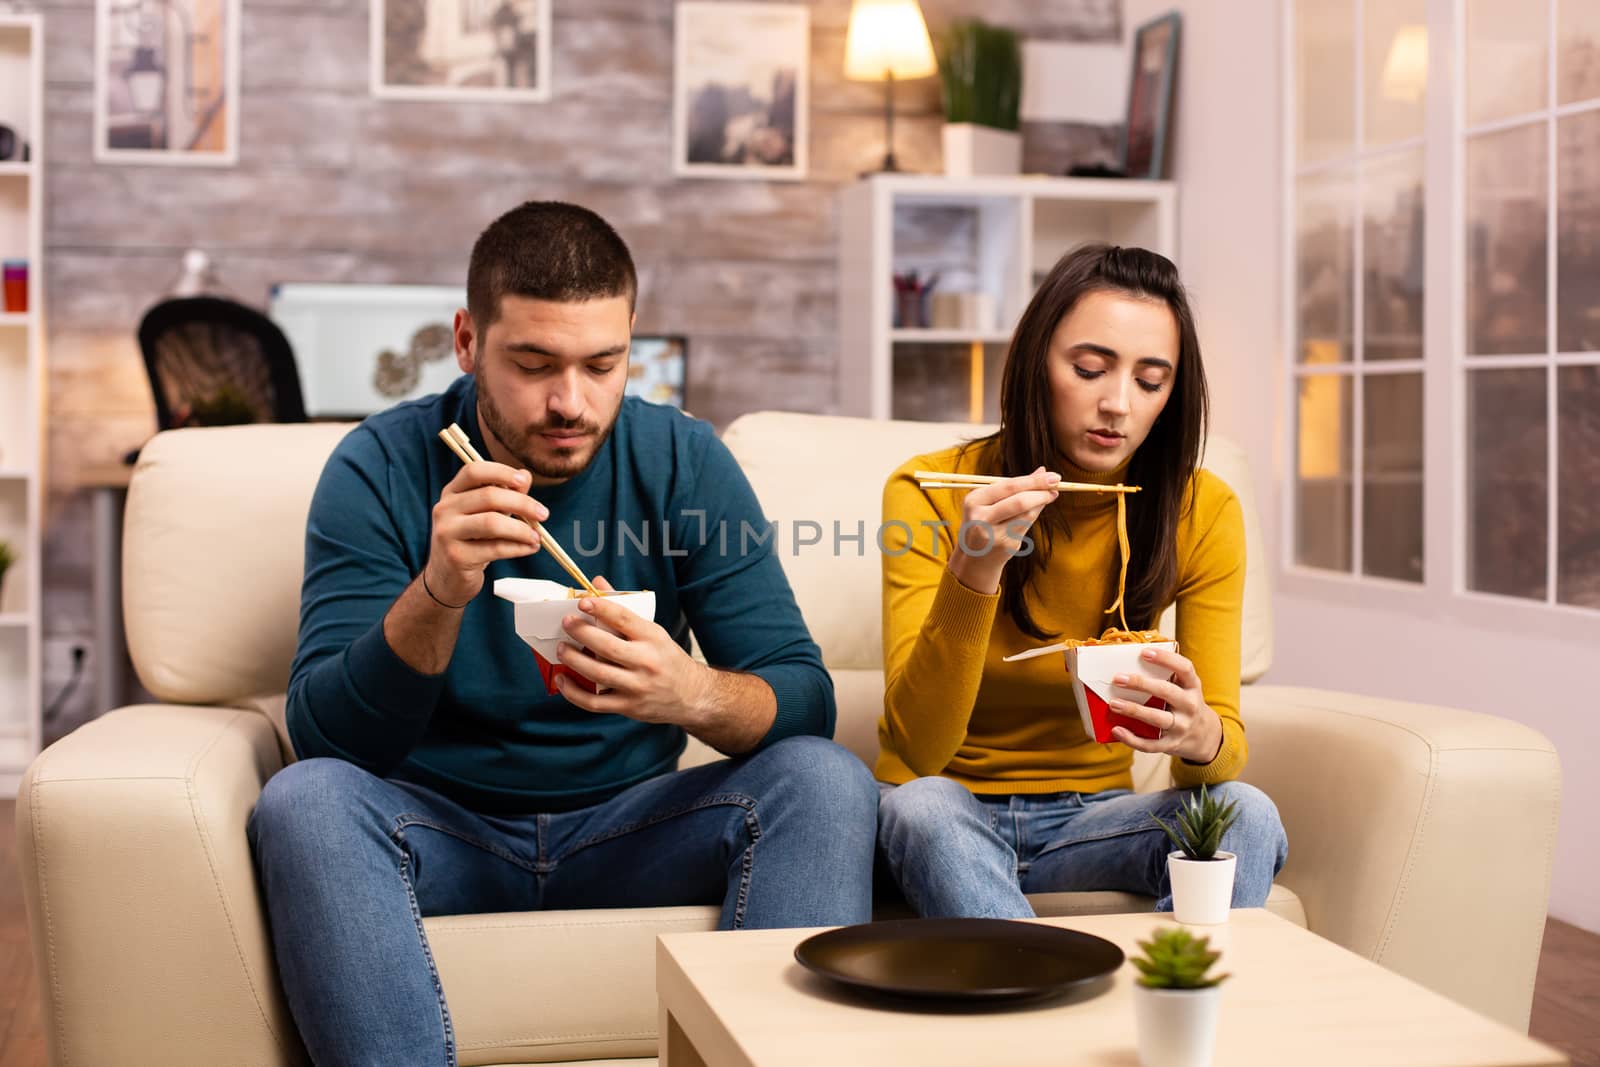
(991, 789)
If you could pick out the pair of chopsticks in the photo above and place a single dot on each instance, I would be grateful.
(456, 438)
(946, 480)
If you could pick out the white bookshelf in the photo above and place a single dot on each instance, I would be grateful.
(22, 384)
(1003, 236)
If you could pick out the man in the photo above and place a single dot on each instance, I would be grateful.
(436, 775)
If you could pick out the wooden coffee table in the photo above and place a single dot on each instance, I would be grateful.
(740, 1000)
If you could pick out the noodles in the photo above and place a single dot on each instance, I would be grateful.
(1112, 635)
(1123, 549)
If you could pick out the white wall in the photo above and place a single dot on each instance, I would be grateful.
(1228, 161)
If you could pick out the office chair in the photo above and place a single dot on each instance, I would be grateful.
(215, 362)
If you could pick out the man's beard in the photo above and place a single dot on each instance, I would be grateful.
(519, 441)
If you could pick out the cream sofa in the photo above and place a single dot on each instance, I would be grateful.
(1420, 837)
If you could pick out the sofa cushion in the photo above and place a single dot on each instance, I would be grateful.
(214, 546)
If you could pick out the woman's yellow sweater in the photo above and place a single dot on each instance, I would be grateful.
(951, 706)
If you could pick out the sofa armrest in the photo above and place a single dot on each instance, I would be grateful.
(147, 929)
(1420, 837)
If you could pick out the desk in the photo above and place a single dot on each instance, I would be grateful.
(108, 487)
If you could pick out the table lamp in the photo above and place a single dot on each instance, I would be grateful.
(887, 40)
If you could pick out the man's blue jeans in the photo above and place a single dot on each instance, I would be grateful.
(350, 864)
(953, 853)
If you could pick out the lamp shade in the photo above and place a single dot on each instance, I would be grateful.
(1405, 72)
(887, 37)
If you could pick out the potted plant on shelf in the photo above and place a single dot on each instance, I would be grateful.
(980, 81)
(1176, 999)
(7, 558)
(1201, 875)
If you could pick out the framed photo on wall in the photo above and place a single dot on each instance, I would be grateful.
(461, 49)
(740, 90)
(166, 82)
(1155, 66)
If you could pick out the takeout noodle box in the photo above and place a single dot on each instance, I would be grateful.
(538, 608)
(1093, 666)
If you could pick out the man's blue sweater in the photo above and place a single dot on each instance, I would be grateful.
(662, 506)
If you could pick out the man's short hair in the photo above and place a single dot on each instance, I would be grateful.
(547, 250)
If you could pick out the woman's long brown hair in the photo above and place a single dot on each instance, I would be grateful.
(1163, 466)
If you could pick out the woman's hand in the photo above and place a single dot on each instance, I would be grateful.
(994, 520)
(1189, 728)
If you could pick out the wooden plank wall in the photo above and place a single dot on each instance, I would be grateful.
(333, 185)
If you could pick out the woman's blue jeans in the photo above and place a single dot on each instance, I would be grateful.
(953, 853)
(350, 863)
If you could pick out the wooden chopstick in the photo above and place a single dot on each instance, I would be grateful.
(952, 480)
(461, 445)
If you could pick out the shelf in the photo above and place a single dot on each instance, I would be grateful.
(17, 170)
(16, 318)
(9, 619)
(15, 474)
(13, 729)
(950, 337)
(937, 187)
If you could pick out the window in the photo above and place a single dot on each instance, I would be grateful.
(1530, 237)
(1359, 214)
(1510, 371)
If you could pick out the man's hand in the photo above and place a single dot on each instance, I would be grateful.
(1189, 728)
(649, 676)
(473, 526)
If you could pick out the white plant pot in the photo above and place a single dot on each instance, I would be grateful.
(1176, 1027)
(971, 150)
(1202, 890)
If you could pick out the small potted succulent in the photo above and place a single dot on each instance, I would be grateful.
(1201, 875)
(980, 83)
(1176, 999)
(7, 558)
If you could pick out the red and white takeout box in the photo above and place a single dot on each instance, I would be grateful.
(538, 608)
(1092, 667)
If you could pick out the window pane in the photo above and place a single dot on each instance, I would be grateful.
(1325, 290)
(1392, 273)
(1578, 470)
(1325, 69)
(1577, 51)
(1391, 480)
(1507, 482)
(1396, 57)
(1322, 485)
(1506, 242)
(1508, 44)
(1578, 233)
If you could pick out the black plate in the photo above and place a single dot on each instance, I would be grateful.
(967, 960)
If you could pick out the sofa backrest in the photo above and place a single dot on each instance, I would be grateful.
(825, 470)
(213, 549)
(214, 541)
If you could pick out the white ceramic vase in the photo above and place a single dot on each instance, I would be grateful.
(1202, 890)
(971, 150)
(1176, 1027)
